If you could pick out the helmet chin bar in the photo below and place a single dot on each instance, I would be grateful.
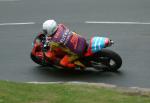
(45, 32)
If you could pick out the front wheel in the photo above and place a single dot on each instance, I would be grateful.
(109, 59)
(38, 60)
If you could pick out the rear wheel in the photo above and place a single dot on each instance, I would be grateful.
(108, 60)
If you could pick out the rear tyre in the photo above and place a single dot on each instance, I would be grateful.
(109, 60)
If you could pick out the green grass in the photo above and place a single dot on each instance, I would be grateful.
(11, 92)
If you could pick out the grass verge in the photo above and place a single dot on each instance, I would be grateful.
(11, 92)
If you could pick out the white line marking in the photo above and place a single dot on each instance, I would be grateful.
(109, 22)
(9, 0)
(76, 82)
(27, 23)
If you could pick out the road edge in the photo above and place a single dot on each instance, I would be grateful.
(127, 90)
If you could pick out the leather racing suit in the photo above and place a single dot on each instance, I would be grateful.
(69, 42)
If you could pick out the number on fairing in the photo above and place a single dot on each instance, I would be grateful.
(74, 40)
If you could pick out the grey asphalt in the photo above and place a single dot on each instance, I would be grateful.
(131, 41)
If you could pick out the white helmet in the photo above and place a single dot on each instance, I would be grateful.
(49, 26)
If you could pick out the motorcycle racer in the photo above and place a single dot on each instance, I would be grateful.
(61, 39)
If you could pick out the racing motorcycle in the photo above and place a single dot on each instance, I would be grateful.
(102, 58)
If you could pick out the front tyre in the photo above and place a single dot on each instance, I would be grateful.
(37, 60)
(109, 59)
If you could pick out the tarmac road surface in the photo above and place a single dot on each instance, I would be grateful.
(124, 21)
